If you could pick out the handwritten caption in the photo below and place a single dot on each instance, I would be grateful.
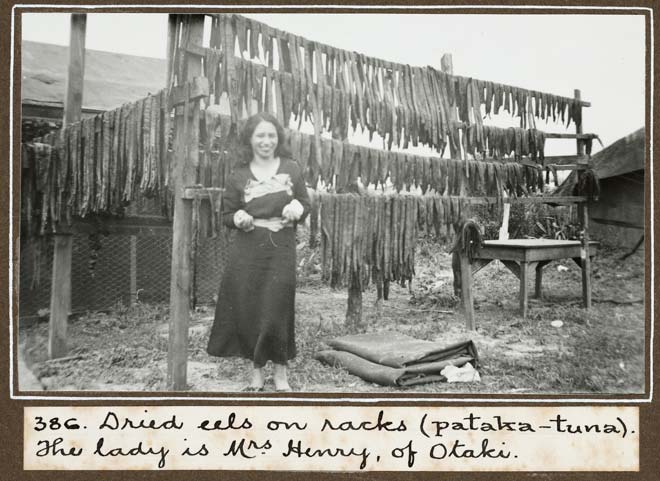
(332, 438)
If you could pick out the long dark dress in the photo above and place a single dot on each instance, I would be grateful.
(254, 316)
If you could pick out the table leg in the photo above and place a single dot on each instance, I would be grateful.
(539, 279)
(524, 292)
(466, 293)
(585, 266)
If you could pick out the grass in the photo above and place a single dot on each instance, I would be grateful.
(594, 352)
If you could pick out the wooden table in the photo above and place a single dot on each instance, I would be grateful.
(520, 256)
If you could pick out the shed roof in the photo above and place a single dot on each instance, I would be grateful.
(111, 79)
(623, 156)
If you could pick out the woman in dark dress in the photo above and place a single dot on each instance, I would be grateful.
(265, 198)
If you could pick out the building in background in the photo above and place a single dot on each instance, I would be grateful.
(617, 218)
(111, 79)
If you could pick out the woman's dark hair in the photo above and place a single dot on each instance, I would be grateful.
(248, 129)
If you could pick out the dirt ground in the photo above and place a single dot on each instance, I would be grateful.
(595, 352)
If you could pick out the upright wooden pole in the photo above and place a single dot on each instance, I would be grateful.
(583, 211)
(76, 71)
(60, 291)
(184, 173)
(447, 66)
(171, 45)
(132, 265)
(60, 295)
(524, 288)
(466, 292)
(354, 304)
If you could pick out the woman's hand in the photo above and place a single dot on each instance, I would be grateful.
(292, 211)
(243, 220)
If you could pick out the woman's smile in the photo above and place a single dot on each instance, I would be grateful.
(264, 140)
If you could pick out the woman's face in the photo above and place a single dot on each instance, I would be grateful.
(264, 140)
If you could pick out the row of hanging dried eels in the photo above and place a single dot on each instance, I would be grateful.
(97, 165)
(373, 237)
(342, 163)
(337, 88)
(101, 163)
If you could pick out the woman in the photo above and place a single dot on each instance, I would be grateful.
(265, 196)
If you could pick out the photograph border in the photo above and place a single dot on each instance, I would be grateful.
(332, 398)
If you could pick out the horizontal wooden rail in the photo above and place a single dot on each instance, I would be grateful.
(546, 199)
(138, 225)
(195, 192)
(570, 136)
(561, 159)
(568, 166)
(548, 135)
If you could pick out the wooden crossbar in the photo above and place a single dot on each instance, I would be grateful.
(196, 192)
(546, 199)
(570, 136)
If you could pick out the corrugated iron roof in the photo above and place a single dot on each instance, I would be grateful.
(111, 79)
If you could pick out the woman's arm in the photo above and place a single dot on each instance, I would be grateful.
(300, 192)
(232, 200)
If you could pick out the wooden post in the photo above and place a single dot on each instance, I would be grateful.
(60, 291)
(171, 45)
(447, 66)
(354, 303)
(60, 296)
(455, 152)
(466, 292)
(583, 212)
(524, 289)
(538, 287)
(133, 269)
(184, 173)
(354, 307)
(76, 71)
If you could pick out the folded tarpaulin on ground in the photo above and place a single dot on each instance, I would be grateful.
(394, 359)
(386, 375)
(398, 350)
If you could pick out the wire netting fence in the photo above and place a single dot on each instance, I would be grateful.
(125, 269)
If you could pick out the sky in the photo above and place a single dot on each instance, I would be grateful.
(602, 55)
